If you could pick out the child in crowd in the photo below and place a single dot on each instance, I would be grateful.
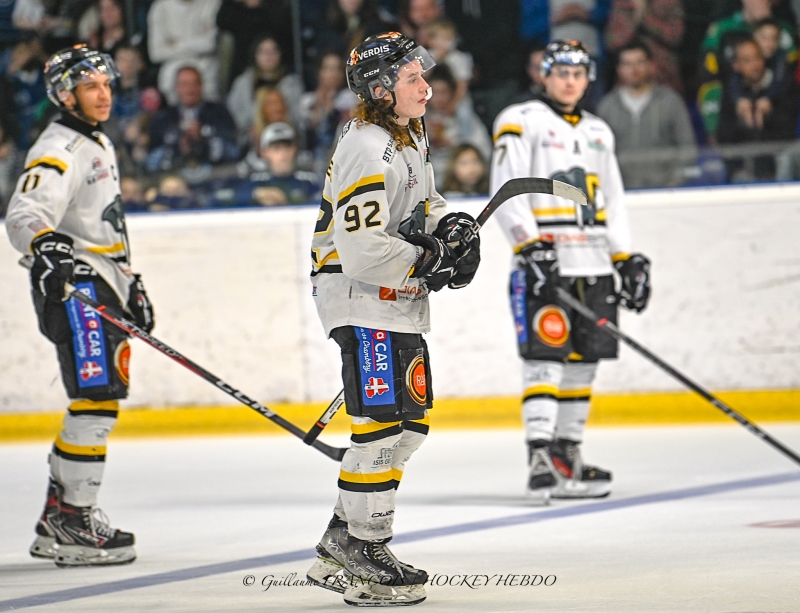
(466, 173)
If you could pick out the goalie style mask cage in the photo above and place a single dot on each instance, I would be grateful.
(569, 52)
(68, 67)
(373, 67)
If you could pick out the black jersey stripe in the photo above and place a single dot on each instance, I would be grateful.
(565, 222)
(378, 186)
(384, 486)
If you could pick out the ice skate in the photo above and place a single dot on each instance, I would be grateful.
(576, 479)
(328, 570)
(542, 475)
(84, 538)
(44, 546)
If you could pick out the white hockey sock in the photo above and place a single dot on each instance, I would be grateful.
(541, 382)
(573, 400)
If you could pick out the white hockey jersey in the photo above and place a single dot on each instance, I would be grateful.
(374, 195)
(532, 139)
(71, 185)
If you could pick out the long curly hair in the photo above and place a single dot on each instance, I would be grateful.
(377, 114)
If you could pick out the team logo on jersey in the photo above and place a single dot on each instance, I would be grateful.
(376, 366)
(96, 163)
(88, 341)
(122, 357)
(416, 381)
(412, 178)
(552, 326)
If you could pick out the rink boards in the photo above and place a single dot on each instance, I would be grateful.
(231, 292)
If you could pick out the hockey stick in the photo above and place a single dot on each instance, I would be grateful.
(511, 188)
(324, 419)
(614, 331)
(335, 453)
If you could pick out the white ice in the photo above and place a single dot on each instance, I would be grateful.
(206, 501)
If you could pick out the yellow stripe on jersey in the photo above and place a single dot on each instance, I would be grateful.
(372, 183)
(566, 394)
(333, 254)
(601, 215)
(373, 427)
(49, 162)
(568, 210)
(89, 450)
(620, 257)
(94, 405)
(110, 249)
(382, 477)
(425, 421)
(514, 129)
(522, 246)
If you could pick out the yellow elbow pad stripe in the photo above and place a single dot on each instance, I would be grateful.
(620, 257)
(373, 183)
(49, 162)
(514, 129)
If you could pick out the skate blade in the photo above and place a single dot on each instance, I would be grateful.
(539, 495)
(43, 547)
(331, 575)
(68, 556)
(375, 595)
(570, 489)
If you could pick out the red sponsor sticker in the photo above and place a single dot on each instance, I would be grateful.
(387, 293)
(552, 326)
(416, 381)
(122, 357)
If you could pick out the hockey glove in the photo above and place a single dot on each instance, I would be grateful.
(452, 229)
(437, 264)
(541, 266)
(634, 273)
(140, 306)
(53, 265)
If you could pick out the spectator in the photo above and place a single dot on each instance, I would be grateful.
(195, 132)
(52, 22)
(24, 71)
(270, 108)
(535, 81)
(651, 125)
(545, 20)
(754, 116)
(251, 20)
(103, 26)
(657, 23)
(281, 182)
(132, 194)
(172, 193)
(718, 53)
(267, 71)
(415, 15)
(322, 111)
(182, 33)
(441, 37)
(9, 35)
(348, 22)
(767, 33)
(447, 128)
(466, 173)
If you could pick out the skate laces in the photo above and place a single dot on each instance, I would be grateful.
(380, 552)
(100, 523)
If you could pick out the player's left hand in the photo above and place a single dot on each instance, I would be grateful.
(634, 272)
(452, 229)
(140, 306)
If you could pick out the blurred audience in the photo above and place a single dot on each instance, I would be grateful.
(348, 22)
(22, 66)
(442, 38)
(267, 70)
(533, 69)
(194, 132)
(466, 174)
(182, 33)
(270, 107)
(415, 15)
(103, 26)
(653, 132)
(659, 25)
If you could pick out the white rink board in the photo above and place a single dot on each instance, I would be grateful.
(231, 292)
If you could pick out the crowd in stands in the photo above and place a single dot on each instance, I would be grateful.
(240, 102)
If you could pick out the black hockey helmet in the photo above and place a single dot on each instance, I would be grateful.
(570, 52)
(373, 66)
(66, 68)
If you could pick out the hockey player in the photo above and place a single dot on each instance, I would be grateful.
(382, 243)
(67, 212)
(559, 244)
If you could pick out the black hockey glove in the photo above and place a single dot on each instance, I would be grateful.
(437, 264)
(53, 265)
(541, 265)
(634, 273)
(140, 306)
(452, 229)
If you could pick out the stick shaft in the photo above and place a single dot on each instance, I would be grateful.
(614, 331)
(324, 419)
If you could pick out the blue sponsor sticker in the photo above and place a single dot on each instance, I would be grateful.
(518, 305)
(375, 364)
(88, 342)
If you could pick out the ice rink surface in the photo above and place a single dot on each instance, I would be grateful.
(701, 519)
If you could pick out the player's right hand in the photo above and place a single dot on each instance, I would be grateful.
(437, 264)
(53, 264)
(541, 265)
